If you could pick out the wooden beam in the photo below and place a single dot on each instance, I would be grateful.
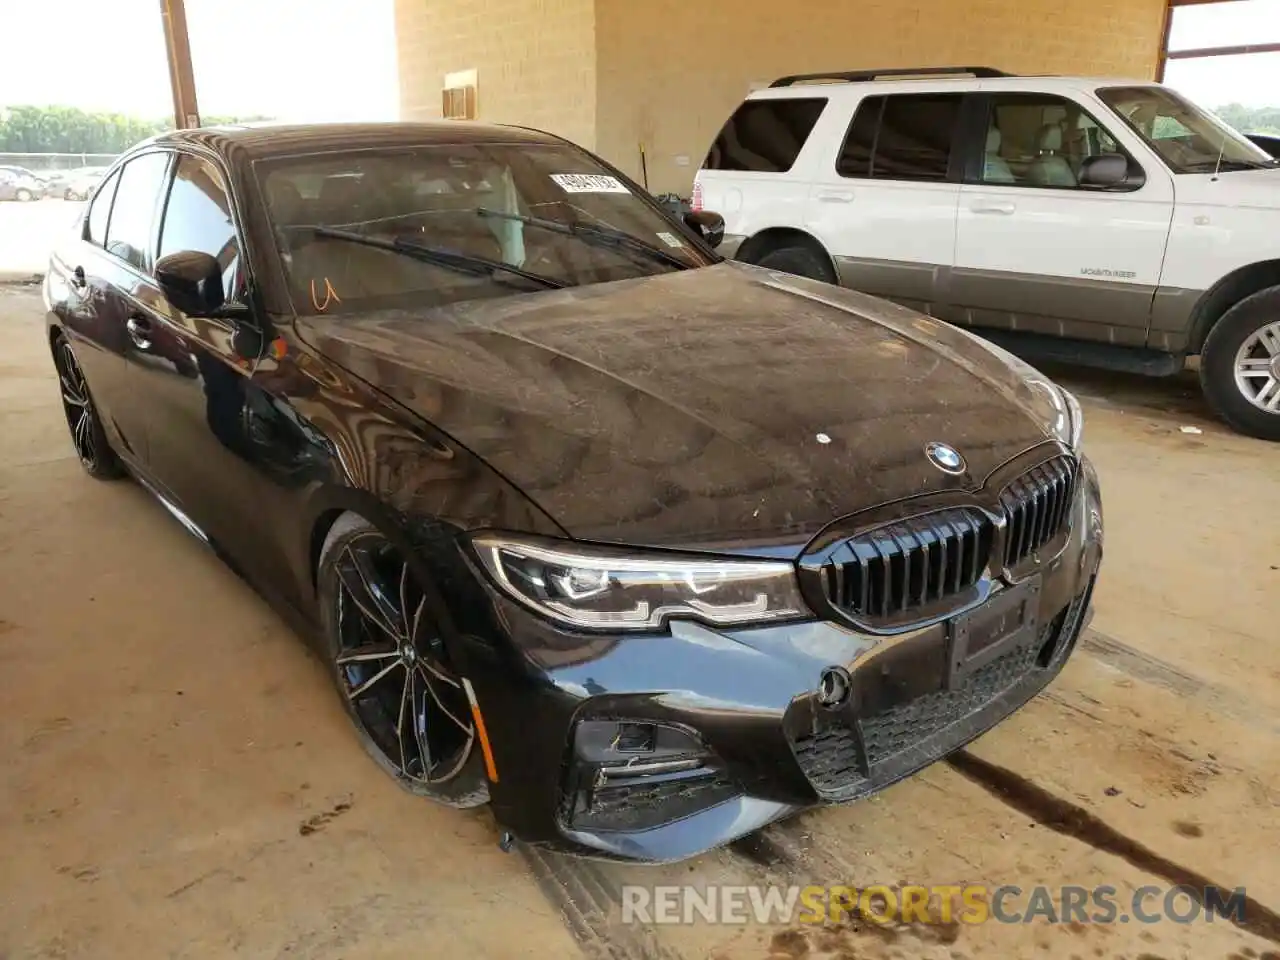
(1223, 51)
(186, 113)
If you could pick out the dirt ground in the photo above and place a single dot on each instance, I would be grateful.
(178, 779)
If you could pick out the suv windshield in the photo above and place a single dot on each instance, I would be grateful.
(1188, 139)
(433, 225)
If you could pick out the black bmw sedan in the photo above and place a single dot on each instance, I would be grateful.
(644, 548)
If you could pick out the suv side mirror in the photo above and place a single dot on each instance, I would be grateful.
(1110, 171)
(709, 225)
(192, 282)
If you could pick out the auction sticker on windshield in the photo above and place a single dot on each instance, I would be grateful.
(588, 183)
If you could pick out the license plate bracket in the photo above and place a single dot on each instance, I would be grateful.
(1005, 622)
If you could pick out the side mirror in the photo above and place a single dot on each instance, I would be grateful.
(192, 282)
(1110, 171)
(709, 225)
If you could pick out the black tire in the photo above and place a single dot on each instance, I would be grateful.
(803, 261)
(87, 436)
(372, 713)
(1218, 365)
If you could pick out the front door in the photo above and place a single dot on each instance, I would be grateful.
(886, 207)
(1038, 253)
(213, 430)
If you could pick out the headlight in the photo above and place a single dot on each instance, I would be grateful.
(1070, 419)
(610, 589)
(1075, 416)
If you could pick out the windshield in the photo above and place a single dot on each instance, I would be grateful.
(1188, 139)
(549, 211)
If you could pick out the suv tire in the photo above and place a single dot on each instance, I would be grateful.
(1220, 355)
(803, 261)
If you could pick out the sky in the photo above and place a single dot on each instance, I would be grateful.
(297, 60)
(335, 59)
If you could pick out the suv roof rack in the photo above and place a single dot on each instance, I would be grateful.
(856, 76)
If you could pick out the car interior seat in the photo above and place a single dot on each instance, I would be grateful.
(1050, 168)
(995, 169)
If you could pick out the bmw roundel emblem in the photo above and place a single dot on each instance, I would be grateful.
(945, 458)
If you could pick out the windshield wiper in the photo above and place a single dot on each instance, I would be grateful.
(601, 236)
(450, 259)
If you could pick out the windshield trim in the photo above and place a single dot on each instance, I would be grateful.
(1265, 161)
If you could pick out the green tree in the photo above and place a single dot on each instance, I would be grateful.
(62, 129)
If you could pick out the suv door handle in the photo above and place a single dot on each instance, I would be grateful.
(835, 196)
(139, 331)
(1005, 207)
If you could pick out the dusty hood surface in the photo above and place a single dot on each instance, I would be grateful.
(700, 407)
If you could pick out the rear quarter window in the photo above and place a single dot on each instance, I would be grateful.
(765, 136)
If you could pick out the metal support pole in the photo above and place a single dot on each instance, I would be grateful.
(181, 77)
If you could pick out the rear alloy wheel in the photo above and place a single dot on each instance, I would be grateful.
(87, 435)
(410, 709)
(24, 195)
(1240, 366)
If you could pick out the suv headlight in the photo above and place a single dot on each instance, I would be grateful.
(604, 588)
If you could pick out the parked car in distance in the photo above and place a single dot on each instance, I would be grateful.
(643, 547)
(1103, 222)
(1269, 142)
(81, 183)
(17, 186)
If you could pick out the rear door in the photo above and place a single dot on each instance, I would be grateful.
(1038, 253)
(754, 175)
(884, 204)
(112, 283)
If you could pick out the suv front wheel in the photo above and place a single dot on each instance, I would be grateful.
(1240, 365)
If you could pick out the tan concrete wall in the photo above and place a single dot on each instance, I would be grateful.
(671, 71)
(535, 60)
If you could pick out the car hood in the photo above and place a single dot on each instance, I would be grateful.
(1232, 188)
(725, 406)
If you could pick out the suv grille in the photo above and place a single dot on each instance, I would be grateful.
(1036, 506)
(896, 568)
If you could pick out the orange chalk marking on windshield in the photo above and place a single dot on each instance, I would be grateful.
(279, 347)
(330, 296)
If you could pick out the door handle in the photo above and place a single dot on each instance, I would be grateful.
(835, 197)
(77, 278)
(139, 331)
(1005, 207)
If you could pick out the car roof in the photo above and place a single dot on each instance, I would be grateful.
(258, 140)
(859, 88)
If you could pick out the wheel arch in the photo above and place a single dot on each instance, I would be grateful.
(1226, 293)
(774, 238)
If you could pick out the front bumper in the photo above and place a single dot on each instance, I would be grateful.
(725, 728)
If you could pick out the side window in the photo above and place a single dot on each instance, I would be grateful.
(99, 211)
(1037, 140)
(133, 212)
(765, 136)
(198, 217)
(901, 137)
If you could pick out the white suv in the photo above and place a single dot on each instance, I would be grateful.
(1102, 222)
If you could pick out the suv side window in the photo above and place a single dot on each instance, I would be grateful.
(133, 214)
(1040, 140)
(765, 136)
(197, 216)
(96, 223)
(906, 136)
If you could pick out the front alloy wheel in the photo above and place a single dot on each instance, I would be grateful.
(410, 709)
(96, 455)
(1240, 365)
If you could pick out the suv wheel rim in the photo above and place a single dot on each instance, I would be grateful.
(1258, 368)
(392, 665)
